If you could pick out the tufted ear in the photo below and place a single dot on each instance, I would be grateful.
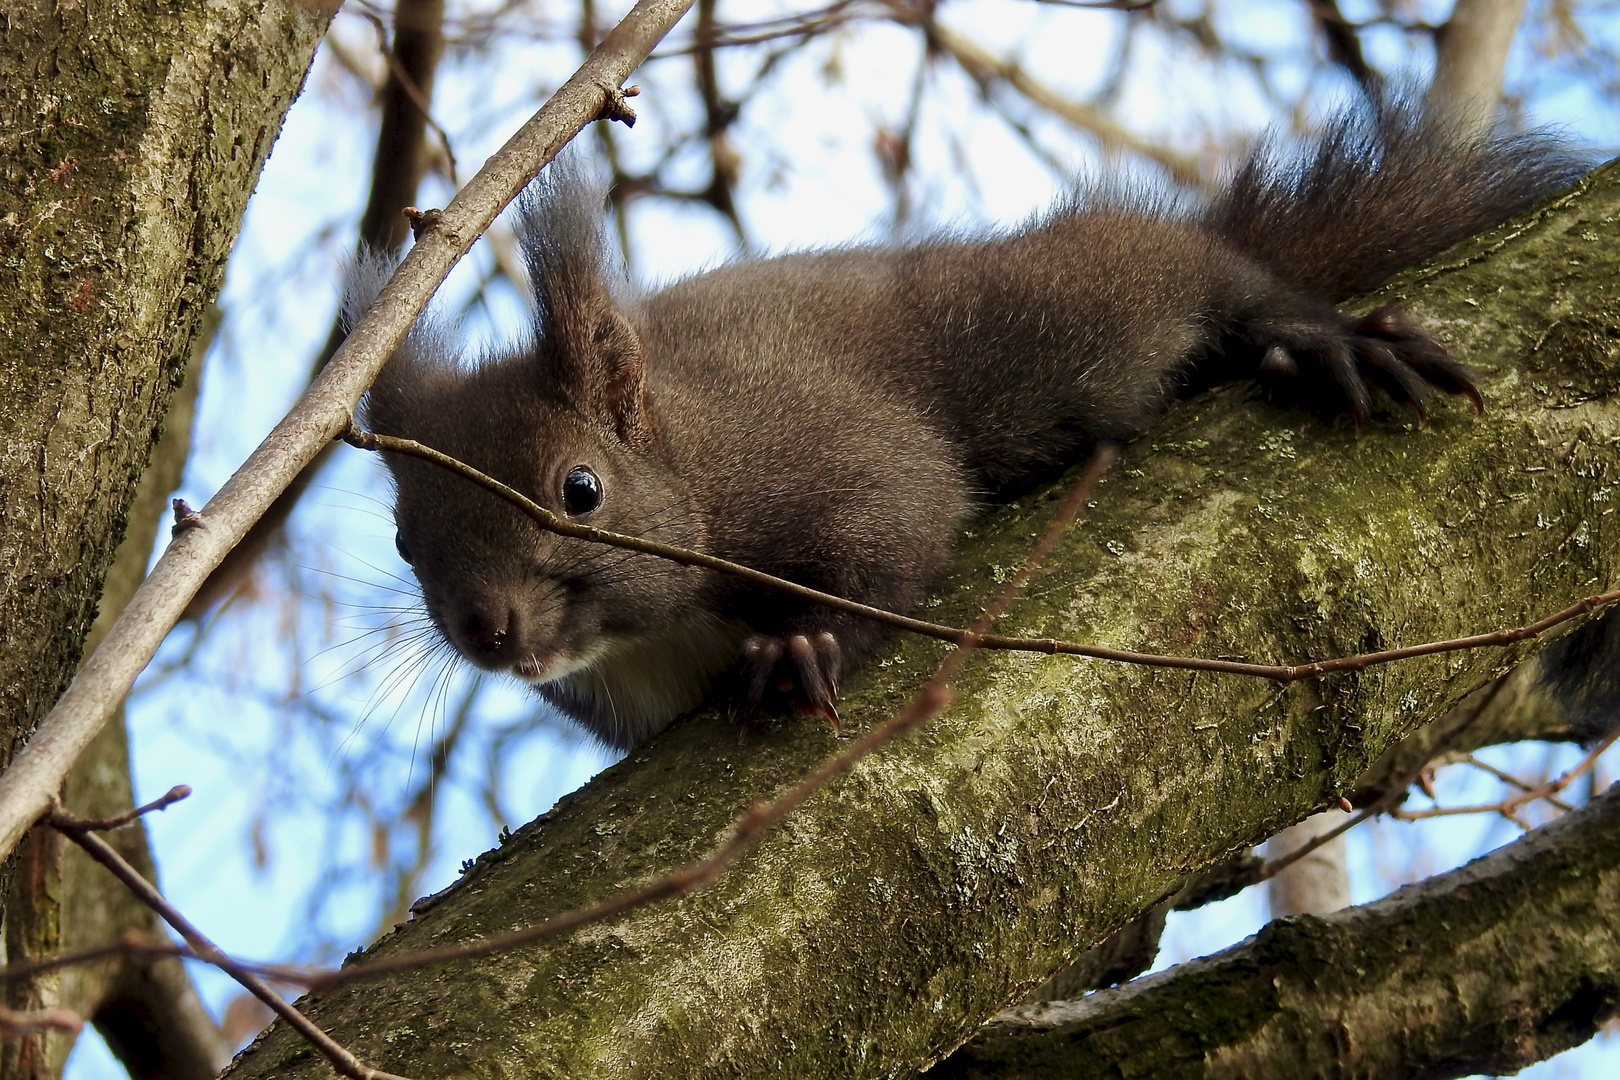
(588, 353)
(412, 383)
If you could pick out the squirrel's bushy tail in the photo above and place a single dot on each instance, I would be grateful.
(1384, 187)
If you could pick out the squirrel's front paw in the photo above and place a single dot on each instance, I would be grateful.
(809, 662)
(1381, 349)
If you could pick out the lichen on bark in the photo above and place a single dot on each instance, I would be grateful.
(133, 133)
(1056, 798)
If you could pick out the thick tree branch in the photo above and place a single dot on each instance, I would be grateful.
(324, 410)
(1054, 800)
(1560, 695)
(1489, 968)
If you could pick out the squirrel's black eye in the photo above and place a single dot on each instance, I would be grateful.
(582, 491)
(399, 546)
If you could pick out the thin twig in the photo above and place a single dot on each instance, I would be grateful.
(162, 802)
(1509, 807)
(412, 90)
(553, 523)
(18, 1024)
(1509, 778)
(137, 944)
(1553, 787)
(83, 833)
(927, 702)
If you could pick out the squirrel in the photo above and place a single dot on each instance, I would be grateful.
(834, 417)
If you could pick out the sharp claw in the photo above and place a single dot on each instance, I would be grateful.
(762, 655)
(831, 714)
(816, 663)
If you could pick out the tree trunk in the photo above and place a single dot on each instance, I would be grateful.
(1057, 798)
(134, 134)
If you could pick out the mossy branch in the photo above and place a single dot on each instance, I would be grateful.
(1055, 799)
(1487, 969)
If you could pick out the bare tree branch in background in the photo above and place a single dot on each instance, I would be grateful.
(1471, 52)
(1344, 46)
(398, 164)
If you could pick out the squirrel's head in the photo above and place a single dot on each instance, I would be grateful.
(568, 422)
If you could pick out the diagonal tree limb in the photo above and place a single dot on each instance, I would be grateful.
(397, 166)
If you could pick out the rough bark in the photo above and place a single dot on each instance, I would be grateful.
(133, 135)
(1489, 968)
(148, 1011)
(1054, 800)
(136, 133)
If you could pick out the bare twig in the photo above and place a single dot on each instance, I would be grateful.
(83, 833)
(138, 944)
(984, 66)
(1510, 806)
(1553, 787)
(410, 85)
(36, 773)
(927, 702)
(163, 802)
(1509, 778)
(551, 522)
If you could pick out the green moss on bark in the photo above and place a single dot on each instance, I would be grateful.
(1492, 967)
(1057, 797)
(131, 134)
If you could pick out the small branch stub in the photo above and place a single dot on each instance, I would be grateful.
(614, 105)
(184, 517)
(421, 220)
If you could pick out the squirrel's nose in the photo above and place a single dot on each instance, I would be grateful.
(486, 631)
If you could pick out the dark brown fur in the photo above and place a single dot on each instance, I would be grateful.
(834, 417)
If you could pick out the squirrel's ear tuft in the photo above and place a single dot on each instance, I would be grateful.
(413, 381)
(589, 354)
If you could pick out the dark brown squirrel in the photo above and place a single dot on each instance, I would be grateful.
(834, 417)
